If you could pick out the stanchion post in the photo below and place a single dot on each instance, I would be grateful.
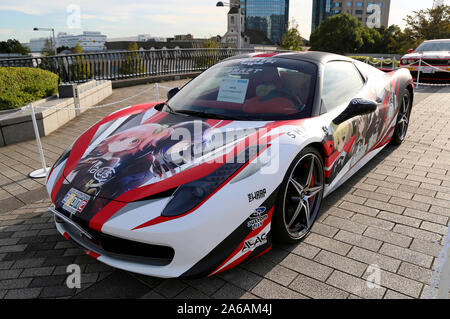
(418, 72)
(42, 172)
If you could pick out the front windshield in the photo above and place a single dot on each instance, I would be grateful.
(434, 46)
(250, 89)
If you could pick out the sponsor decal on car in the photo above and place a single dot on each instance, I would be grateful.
(254, 242)
(257, 218)
(75, 201)
(257, 195)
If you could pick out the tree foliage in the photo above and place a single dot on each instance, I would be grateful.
(48, 49)
(340, 33)
(132, 63)
(423, 25)
(13, 46)
(80, 68)
(429, 24)
(291, 39)
(344, 34)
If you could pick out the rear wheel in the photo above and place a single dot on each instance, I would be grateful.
(299, 198)
(402, 124)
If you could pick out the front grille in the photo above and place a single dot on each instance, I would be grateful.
(122, 246)
(118, 247)
(436, 62)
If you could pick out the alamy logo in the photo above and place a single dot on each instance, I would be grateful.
(74, 16)
(74, 278)
(374, 19)
(373, 280)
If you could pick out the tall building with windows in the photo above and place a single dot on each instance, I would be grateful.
(370, 13)
(270, 17)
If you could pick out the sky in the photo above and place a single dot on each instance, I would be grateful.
(119, 18)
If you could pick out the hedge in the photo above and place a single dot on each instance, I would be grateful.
(387, 63)
(20, 86)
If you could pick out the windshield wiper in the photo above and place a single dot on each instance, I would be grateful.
(171, 110)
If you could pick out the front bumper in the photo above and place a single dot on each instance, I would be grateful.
(438, 73)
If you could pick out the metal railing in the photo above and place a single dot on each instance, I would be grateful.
(125, 64)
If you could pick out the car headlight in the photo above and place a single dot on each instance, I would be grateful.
(190, 195)
(403, 61)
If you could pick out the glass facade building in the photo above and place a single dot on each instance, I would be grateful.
(271, 17)
(322, 9)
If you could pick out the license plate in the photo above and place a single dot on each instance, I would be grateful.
(75, 201)
(427, 69)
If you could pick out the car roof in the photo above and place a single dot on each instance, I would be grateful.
(312, 56)
(437, 40)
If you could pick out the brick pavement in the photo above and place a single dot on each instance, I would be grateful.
(393, 213)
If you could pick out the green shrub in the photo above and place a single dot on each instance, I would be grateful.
(387, 63)
(20, 86)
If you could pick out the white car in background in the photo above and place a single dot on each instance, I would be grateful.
(435, 64)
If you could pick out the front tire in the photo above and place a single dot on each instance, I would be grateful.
(404, 113)
(299, 198)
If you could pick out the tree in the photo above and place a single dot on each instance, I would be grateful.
(371, 40)
(62, 48)
(13, 46)
(132, 63)
(340, 33)
(429, 24)
(48, 49)
(291, 39)
(80, 68)
(203, 59)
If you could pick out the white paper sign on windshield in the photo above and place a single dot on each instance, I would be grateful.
(232, 90)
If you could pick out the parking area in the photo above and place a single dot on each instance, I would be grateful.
(394, 213)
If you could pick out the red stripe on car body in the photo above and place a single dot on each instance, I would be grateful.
(162, 219)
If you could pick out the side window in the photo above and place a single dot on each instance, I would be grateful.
(341, 82)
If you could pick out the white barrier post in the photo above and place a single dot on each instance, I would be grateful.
(156, 92)
(418, 72)
(42, 172)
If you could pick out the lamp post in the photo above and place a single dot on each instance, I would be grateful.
(226, 4)
(53, 35)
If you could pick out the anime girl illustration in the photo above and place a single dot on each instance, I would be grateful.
(133, 157)
(360, 146)
(376, 121)
(343, 140)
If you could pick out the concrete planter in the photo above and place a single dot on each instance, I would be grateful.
(20, 127)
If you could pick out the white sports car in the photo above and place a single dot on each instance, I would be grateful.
(242, 154)
(435, 65)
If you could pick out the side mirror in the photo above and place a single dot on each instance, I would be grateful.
(172, 92)
(356, 107)
(410, 51)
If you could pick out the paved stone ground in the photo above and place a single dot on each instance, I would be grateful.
(393, 213)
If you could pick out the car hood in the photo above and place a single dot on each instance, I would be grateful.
(143, 148)
(427, 55)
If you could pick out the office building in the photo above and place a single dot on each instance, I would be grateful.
(261, 20)
(270, 17)
(89, 41)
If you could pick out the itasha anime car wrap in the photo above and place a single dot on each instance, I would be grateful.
(169, 195)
